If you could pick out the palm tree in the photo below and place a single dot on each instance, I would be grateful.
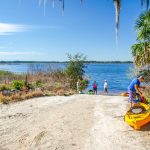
(141, 51)
(143, 27)
(141, 54)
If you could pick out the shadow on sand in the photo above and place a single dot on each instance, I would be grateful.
(145, 127)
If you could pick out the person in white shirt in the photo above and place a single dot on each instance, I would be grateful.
(105, 87)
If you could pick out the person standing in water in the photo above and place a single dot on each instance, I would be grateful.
(105, 87)
(95, 87)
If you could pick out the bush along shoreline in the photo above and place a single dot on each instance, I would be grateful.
(43, 82)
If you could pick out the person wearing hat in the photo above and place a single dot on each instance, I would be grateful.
(134, 90)
(105, 87)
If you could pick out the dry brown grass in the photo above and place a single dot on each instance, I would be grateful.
(51, 84)
(37, 93)
(60, 92)
(31, 94)
(5, 99)
(19, 97)
(16, 97)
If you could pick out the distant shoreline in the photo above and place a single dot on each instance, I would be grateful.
(86, 62)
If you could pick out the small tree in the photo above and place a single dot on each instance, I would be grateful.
(75, 68)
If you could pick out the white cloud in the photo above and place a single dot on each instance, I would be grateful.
(17, 53)
(6, 28)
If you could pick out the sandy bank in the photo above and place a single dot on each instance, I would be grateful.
(79, 122)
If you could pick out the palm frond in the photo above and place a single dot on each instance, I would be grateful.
(147, 3)
(142, 26)
(63, 4)
(142, 3)
(117, 4)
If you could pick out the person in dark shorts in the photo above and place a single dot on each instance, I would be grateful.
(134, 90)
(95, 87)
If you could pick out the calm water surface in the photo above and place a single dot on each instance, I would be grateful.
(115, 74)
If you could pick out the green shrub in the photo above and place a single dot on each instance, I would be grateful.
(18, 85)
(30, 86)
(83, 84)
(38, 83)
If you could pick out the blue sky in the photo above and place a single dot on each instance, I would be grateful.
(30, 31)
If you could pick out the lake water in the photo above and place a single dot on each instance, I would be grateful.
(115, 74)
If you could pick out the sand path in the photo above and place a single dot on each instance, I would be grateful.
(78, 122)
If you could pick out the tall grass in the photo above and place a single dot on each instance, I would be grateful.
(39, 83)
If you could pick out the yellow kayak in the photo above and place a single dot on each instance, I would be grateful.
(125, 94)
(147, 100)
(138, 116)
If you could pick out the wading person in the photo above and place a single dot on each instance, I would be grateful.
(105, 87)
(134, 90)
(95, 87)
